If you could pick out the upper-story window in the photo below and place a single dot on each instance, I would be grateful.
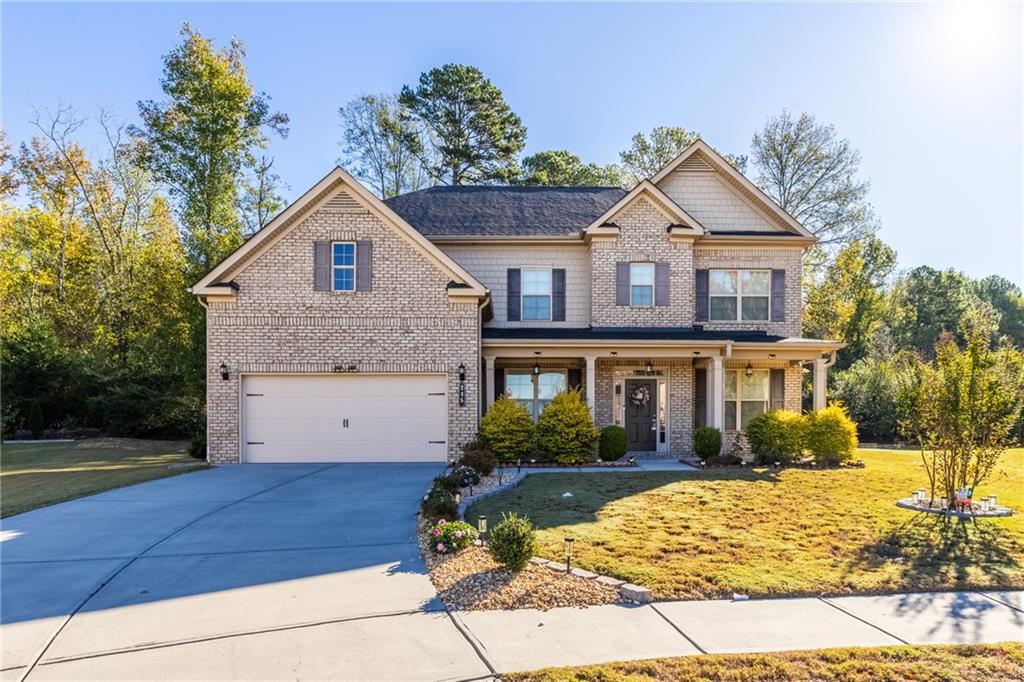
(740, 294)
(343, 266)
(641, 284)
(536, 295)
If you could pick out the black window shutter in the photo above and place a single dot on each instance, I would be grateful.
(622, 283)
(558, 295)
(513, 295)
(364, 265)
(499, 383)
(700, 397)
(778, 295)
(703, 293)
(321, 266)
(661, 283)
(778, 389)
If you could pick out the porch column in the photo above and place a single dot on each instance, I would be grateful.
(591, 383)
(716, 394)
(820, 382)
(489, 380)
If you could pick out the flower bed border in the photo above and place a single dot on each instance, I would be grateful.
(996, 513)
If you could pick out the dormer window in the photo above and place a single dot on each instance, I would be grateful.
(343, 266)
(536, 295)
(641, 284)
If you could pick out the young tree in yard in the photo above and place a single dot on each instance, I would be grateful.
(383, 146)
(848, 303)
(260, 198)
(560, 167)
(963, 407)
(199, 140)
(812, 174)
(475, 134)
(648, 154)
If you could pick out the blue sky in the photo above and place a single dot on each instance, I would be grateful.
(930, 94)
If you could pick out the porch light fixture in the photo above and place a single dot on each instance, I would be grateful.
(771, 355)
(696, 353)
(536, 368)
(568, 553)
(649, 368)
(749, 371)
(224, 371)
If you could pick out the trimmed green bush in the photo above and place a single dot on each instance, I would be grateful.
(565, 432)
(507, 430)
(439, 504)
(613, 444)
(466, 475)
(450, 483)
(777, 436)
(831, 435)
(707, 442)
(197, 446)
(513, 541)
(479, 456)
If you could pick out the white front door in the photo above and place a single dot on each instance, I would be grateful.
(332, 418)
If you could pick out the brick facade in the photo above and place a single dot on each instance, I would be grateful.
(279, 324)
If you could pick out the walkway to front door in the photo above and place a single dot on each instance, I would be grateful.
(641, 407)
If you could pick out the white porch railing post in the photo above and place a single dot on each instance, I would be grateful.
(591, 383)
(820, 382)
(716, 394)
(489, 380)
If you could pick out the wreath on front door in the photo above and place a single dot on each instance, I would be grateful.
(640, 396)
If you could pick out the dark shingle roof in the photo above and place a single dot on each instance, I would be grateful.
(504, 211)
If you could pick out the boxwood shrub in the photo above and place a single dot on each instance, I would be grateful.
(777, 436)
(831, 435)
(512, 541)
(565, 432)
(707, 442)
(507, 430)
(613, 444)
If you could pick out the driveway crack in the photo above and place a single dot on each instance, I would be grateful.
(120, 569)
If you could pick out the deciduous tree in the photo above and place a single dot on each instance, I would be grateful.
(648, 154)
(383, 146)
(560, 167)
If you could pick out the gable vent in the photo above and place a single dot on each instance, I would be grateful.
(695, 164)
(343, 201)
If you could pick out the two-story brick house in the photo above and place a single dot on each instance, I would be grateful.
(351, 329)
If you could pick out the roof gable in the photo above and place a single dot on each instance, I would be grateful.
(679, 220)
(702, 165)
(337, 188)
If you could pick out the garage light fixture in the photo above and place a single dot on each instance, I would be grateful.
(224, 372)
(462, 371)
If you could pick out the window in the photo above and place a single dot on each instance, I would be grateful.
(740, 294)
(536, 295)
(745, 397)
(343, 266)
(534, 391)
(641, 284)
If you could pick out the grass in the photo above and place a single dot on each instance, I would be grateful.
(953, 663)
(774, 532)
(38, 474)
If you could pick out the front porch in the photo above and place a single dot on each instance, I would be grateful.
(658, 389)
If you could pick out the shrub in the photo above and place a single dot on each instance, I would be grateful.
(450, 483)
(566, 433)
(507, 430)
(776, 436)
(613, 444)
(479, 456)
(512, 542)
(467, 476)
(439, 504)
(831, 435)
(197, 446)
(35, 419)
(707, 442)
(448, 537)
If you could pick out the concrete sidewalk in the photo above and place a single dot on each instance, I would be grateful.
(512, 641)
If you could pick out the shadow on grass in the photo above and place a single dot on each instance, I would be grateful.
(542, 497)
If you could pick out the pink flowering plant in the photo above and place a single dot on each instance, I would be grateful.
(448, 537)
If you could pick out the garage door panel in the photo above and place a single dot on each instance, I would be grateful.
(303, 418)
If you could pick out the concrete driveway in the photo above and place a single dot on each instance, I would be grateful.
(252, 571)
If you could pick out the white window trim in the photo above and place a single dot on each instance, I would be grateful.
(654, 280)
(739, 295)
(550, 295)
(534, 380)
(735, 426)
(335, 268)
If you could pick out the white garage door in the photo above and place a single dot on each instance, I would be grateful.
(366, 418)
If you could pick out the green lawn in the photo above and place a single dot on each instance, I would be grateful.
(37, 474)
(770, 533)
(895, 664)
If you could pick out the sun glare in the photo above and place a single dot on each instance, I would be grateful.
(968, 34)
